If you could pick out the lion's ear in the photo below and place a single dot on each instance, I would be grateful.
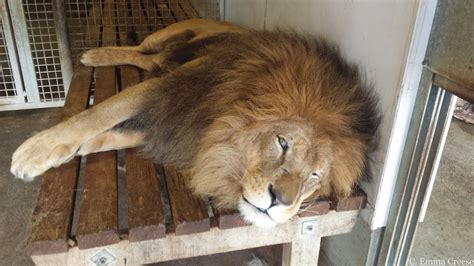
(347, 166)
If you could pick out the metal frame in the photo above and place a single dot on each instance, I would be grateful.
(13, 60)
(428, 130)
(24, 51)
(30, 68)
(40, 37)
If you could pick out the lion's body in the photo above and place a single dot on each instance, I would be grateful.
(251, 114)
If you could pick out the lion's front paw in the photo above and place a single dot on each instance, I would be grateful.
(39, 153)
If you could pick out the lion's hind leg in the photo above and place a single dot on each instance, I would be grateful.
(111, 56)
(149, 54)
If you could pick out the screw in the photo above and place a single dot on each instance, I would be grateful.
(309, 227)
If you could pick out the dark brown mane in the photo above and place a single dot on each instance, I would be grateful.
(259, 76)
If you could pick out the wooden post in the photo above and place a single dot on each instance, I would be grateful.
(301, 252)
(304, 249)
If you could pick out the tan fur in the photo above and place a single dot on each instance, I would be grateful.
(46, 149)
(111, 140)
(239, 160)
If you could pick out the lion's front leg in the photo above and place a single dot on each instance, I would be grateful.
(55, 146)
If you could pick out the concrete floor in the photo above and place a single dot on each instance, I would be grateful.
(448, 230)
(18, 199)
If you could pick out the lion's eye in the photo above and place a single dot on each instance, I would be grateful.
(283, 144)
(315, 175)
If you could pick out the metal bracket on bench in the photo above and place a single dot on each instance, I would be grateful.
(103, 258)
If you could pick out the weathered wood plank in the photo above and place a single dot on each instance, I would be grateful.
(189, 9)
(145, 210)
(109, 22)
(152, 15)
(166, 16)
(78, 94)
(355, 202)
(139, 22)
(215, 241)
(302, 251)
(98, 217)
(52, 216)
(189, 213)
(177, 10)
(318, 208)
(124, 26)
(91, 38)
(226, 219)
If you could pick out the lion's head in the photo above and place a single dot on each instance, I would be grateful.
(269, 169)
(295, 123)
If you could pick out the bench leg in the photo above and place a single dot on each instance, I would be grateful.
(303, 251)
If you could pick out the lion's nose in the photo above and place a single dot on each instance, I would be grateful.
(277, 197)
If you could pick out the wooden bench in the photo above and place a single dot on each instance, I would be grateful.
(76, 220)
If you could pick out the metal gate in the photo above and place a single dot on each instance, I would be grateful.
(33, 30)
(40, 38)
(11, 87)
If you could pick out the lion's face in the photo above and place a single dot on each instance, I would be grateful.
(266, 170)
(284, 164)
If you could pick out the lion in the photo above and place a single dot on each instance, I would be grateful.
(263, 121)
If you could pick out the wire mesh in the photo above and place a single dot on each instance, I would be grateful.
(135, 19)
(7, 82)
(40, 24)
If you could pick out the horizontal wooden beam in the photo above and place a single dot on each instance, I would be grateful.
(211, 242)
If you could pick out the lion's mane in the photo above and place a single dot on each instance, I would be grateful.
(251, 77)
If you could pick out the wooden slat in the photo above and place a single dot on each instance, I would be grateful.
(189, 213)
(52, 216)
(109, 22)
(78, 94)
(226, 219)
(138, 19)
(178, 11)
(189, 9)
(166, 15)
(93, 28)
(145, 210)
(124, 28)
(355, 202)
(152, 15)
(318, 208)
(98, 217)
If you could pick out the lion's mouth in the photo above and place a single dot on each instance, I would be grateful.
(254, 215)
(259, 209)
